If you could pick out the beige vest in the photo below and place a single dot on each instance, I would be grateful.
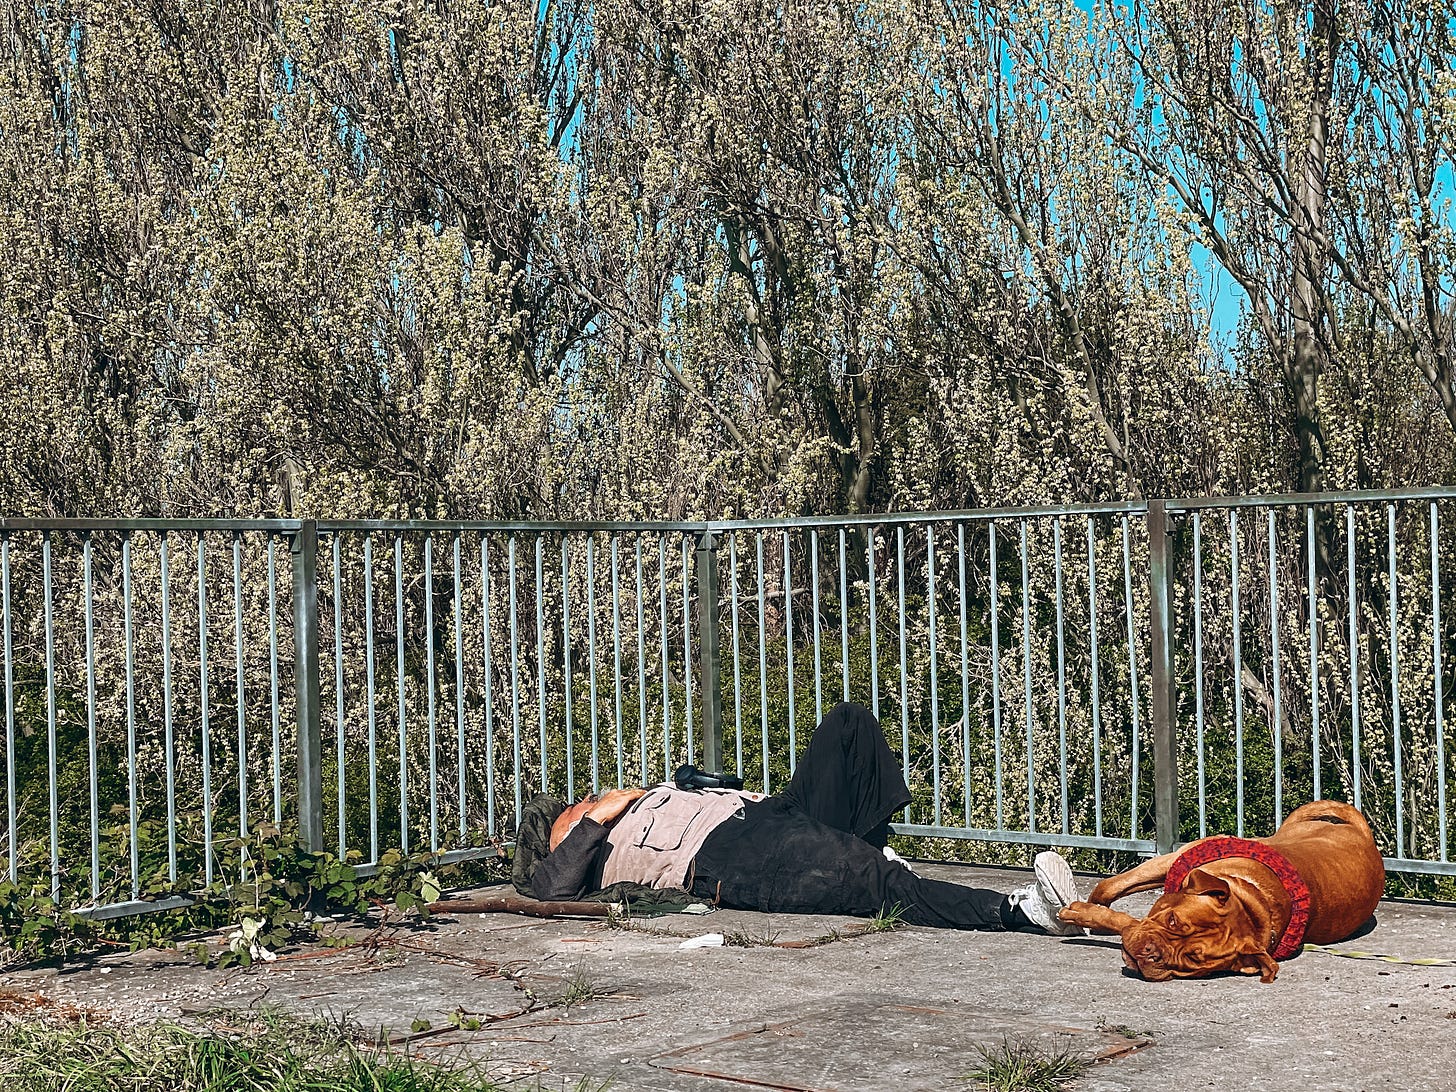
(656, 840)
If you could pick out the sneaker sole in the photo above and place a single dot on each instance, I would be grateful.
(1054, 874)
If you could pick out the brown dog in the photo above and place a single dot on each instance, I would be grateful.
(1231, 904)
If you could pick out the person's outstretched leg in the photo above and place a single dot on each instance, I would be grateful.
(776, 858)
(950, 905)
(848, 778)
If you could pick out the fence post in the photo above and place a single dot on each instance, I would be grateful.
(304, 548)
(1165, 739)
(709, 655)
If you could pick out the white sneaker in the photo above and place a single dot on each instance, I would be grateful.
(1053, 889)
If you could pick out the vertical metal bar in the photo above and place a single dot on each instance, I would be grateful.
(91, 721)
(206, 730)
(167, 742)
(662, 635)
(566, 664)
(459, 604)
(1314, 687)
(369, 696)
(1400, 846)
(996, 678)
(515, 687)
(965, 676)
(1278, 725)
(488, 650)
(431, 739)
(737, 665)
(874, 623)
(50, 645)
(843, 620)
(304, 549)
(399, 690)
(814, 607)
(274, 715)
(932, 610)
(789, 648)
(131, 747)
(617, 659)
(1026, 686)
(641, 666)
(1132, 674)
(238, 664)
(709, 653)
(904, 664)
(1238, 672)
(10, 709)
(763, 669)
(339, 738)
(687, 621)
(1354, 654)
(1198, 672)
(1164, 697)
(591, 659)
(1436, 680)
(1096, 677)
(541, 652)
(1061, 675)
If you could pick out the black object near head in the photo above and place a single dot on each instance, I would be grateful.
(690, 777)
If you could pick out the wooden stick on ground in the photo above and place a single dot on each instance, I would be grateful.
(507, 904)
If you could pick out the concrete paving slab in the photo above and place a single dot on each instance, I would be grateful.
(855, 1044)
(556, 1001)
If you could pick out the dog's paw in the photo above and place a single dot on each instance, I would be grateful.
(1081, 913)
(1098, 919)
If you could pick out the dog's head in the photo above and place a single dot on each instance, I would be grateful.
(1198, 930)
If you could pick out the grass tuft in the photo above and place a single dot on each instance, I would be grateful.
(1122, 1029)
(230, 1052)
(1015, 1065)
(889, 917)
(582, 989)
(742, 938)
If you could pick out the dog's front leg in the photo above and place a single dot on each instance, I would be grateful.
(1144, 877)
(1099, 919)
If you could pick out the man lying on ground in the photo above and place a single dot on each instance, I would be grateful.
(817, 847)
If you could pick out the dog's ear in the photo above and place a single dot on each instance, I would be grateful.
(1258, 962)
(1199, 882)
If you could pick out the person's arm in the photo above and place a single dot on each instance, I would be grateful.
(567, 873)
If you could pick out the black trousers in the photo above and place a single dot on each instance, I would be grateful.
(815, 848)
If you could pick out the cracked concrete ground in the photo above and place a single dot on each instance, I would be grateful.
(885, 1011)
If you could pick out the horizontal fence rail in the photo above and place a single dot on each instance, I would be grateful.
(1119, 677)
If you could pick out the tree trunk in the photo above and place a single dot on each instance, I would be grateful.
(1305, 361)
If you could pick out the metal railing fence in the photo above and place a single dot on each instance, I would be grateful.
(1122, 676)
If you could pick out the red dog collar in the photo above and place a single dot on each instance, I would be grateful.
(1221, 847)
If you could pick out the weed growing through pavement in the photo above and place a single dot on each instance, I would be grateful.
(1122, 1029)
(1015, 1065)
(742, 938)
(889, 917)
(582, 989)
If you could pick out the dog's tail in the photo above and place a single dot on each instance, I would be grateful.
(1330, 811)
